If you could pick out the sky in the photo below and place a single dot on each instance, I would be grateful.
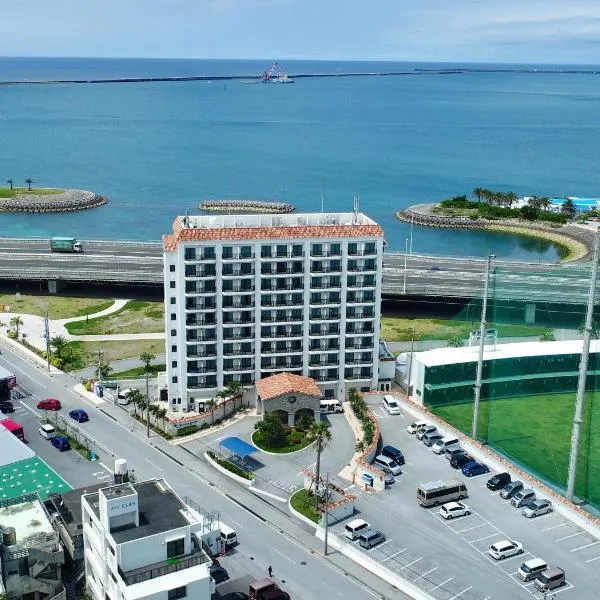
(518, 31)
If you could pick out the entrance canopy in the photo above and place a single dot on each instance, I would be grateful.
(237, 446)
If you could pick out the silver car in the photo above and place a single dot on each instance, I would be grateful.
(537, 508)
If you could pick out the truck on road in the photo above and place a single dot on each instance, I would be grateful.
(65, 244)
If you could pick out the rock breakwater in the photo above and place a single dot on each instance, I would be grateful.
(66, 201)
(246, 206)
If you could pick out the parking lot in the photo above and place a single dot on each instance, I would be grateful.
(449, 559)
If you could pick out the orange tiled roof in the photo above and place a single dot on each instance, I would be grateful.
(285, 383)
(265, 233)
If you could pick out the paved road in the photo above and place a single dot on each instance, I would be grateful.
(435, 276)
(267, 533)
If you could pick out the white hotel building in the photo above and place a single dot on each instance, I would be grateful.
(248, 296)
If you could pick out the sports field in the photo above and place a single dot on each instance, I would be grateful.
(30, 475)
(535, 431)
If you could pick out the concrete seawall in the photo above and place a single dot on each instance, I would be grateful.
(67, 201)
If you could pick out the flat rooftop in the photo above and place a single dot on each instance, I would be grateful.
(12, 449)
(159, 510)
(452, 356)
(275, 220)
(28, 517)
(30, 475)
(68, 505)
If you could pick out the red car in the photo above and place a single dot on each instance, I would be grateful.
(49, 404)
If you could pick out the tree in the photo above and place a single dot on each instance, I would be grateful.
(147, 358)
(58, 342)
(595, 328)
(10, 184)
(234, 388)
(160, 414)
(103, 370)
(16, 323)
(547, 336)
(487, 195)
(478, 193)
(212, 405)
(319, 434)
(223, 395)
(455, 341)
(304, 422)
(511, 198)
(568, 208)
(360, 446)
(271, 429)
(29, 181)
(545, 203)
(135, 396)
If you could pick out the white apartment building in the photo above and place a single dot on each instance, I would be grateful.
(248, 296)
(141, 541)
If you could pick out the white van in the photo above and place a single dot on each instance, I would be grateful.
(47, 431)
(353, 529)
(391, 405)
(415, 426)
(331, 406)
(228, 536)
(123, 397)
(388, 465)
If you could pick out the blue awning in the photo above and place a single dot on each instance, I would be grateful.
(237, 446)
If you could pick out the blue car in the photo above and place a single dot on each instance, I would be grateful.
(79, 415)
(473, 468)
(60, 442)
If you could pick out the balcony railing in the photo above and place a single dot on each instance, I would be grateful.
(163, 568)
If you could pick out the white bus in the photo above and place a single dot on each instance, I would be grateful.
(434, 493)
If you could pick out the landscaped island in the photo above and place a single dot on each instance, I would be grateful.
(506, 212)
(44, 200)
(246, 206)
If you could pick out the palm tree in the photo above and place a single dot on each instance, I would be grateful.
(223, 395)
(212, 404)
(58, 342)
(320, 434)
(534, 202)
(545, 202)
(160, 414)
(234, 387)
(478, 193)
(487, 195)
(10, 183)
(360, 446)
(568, 207)
(147, 358)
(103, 370)
(29, 181)
(511, 198)
(16, 323)
(135, 396)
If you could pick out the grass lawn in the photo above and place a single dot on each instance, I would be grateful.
(79, 355)
(399, 329)
(8, 193)
(304, 503)
(535, 431)
(286, 446)
(138, 372)
(137, 316)
(59, 307)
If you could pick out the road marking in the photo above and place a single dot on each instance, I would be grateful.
(238, 524)
(153, 464)
(475, 527)
(395, 554)
(439, 585)
(461, 593)
(384, 543)
(593, 559)
(282, 554)
(568, 537)
(426, 573)
(28, 408)
(485, 537)
(554, 526)
(412, 563)
(104, 466)
(586, 546)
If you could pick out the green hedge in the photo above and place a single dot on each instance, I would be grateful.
(230, 466)
(187, 430)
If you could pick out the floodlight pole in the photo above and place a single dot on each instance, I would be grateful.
(583, 365)
(482, 328)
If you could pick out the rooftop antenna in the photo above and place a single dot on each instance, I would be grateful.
(356, 205)
(186, 218)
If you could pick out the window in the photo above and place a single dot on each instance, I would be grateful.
(173, 331)
(172, 285)
(176, 593)
(176, 548)
(172, 268)
(173, 316)
(173, 348)
(172, 300)
(173, 363)
(174, 379)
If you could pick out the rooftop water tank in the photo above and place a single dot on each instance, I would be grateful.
(9, 536)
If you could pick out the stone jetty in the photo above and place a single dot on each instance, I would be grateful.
(246, 206)
(65, 201)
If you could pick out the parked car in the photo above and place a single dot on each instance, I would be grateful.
(510, 489)
(454, 509)
(49, 404)
(452, 451)
(550, 579)
(218, 573)
(60, 442)
(530, 569)
(47, 431)
(391, 405)
(429, 439)
(353, 529)
(498, 481)
(415, 426)
(123, 397)
(425, 430)
(474, 468)
(522, 498)
(439, 447)
(504, 549)
(537, 508)
(387, 465)
(79, 415)
(7, 407)
(458, 461)
(389, 479)
(393, 453)
(370, 538)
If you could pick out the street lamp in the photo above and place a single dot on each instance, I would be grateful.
(405, 253)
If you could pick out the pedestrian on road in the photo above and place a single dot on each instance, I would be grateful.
(270, 569)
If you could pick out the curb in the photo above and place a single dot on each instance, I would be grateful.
(300, 516)
(245, 482)
(280, 453)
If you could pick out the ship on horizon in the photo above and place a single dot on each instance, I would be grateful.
(276, 75)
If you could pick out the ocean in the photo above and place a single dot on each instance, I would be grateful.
(157, 150)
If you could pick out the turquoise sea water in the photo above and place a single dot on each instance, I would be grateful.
(158, 149)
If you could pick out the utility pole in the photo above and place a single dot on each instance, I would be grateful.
(147, 407)
(412, 347)
(326, 510)
(412, 222)
(583, 365)
(405, 253)
(100, 354)
(47, 334)
(482, 328)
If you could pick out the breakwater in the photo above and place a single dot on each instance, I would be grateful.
(578, 240)
(246, 206)
(66, 201)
